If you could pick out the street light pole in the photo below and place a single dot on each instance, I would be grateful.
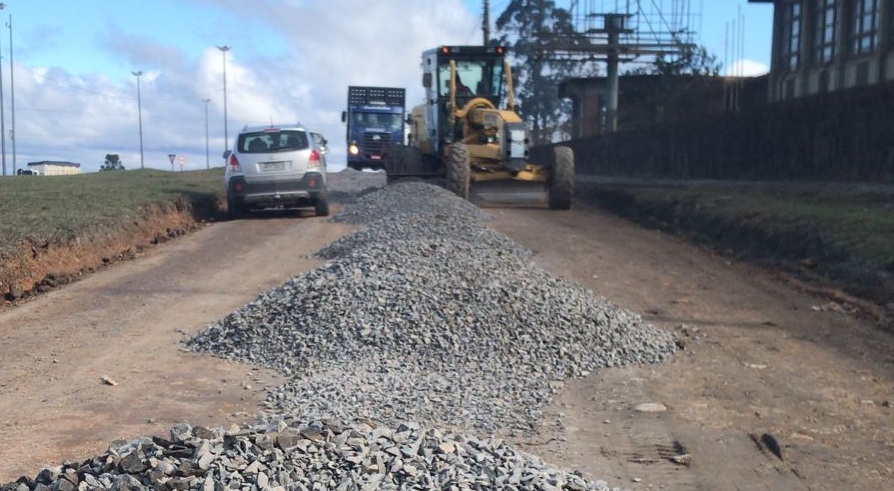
(140, 114)
(12, 97)
(2, 115)
(223, 50)
(207, 147)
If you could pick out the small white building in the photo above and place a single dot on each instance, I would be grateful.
(54, 168)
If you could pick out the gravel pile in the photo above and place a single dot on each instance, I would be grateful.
(407, 198)
(348, 184)
(315, 456)
(424, 318)
(424, 314)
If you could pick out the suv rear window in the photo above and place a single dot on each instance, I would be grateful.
(272, 141)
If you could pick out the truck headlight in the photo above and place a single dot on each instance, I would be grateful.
(353, 149)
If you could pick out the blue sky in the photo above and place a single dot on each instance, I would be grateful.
(76, 99)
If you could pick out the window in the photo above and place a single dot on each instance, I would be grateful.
(865, 31)
(891, 24)
(824, 31)
(379, 120)
(272, 141)
(482, 77)
(791, 36)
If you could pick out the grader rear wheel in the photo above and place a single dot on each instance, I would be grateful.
(458, 171)
(561, 179)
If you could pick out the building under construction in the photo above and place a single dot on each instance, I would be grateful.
(639, 29)
(614, 33)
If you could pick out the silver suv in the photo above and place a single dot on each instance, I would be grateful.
(280, 166)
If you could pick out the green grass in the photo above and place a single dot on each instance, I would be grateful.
(61, 208)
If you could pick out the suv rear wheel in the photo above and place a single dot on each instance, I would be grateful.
(235, 208)
(321, 207)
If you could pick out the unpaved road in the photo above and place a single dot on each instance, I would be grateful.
(760, 358)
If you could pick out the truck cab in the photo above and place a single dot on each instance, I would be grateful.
(375, 119)
(478, 72)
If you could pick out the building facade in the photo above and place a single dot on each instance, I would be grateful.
(828, 45)
(54, 168)
(647, 100)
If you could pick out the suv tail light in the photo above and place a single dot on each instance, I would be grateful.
(314, 160)
(233, 163)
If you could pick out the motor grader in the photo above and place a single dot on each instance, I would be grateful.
(461, 136)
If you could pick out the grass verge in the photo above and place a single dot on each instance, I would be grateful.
(60, 225)
(60, 208)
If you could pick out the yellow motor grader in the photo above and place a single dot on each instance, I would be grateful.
(460, 134)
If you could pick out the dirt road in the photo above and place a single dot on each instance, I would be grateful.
(124, 325)
(760, 358)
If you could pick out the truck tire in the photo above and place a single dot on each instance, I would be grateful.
(561, 179)
(394, 164)
(458, 170)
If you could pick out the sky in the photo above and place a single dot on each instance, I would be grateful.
(70, 94)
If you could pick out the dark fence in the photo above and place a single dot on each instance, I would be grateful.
(841, 136)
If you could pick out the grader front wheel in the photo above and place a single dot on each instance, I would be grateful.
(561, 179)
(458, 170)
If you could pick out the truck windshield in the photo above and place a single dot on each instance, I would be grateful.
(386, 121)
(483, 78)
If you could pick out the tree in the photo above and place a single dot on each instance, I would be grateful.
(112, 162)
(689, 59)
(530, 28)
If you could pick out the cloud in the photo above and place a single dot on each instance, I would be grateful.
(746, 68)
(299, 71)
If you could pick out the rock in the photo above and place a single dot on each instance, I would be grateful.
(650, 407)
(15, 292)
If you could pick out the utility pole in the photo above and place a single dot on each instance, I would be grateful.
(223, 50)
(140, 114)
(614, 26)
(2, 116)
(12, 97)
(485, 22)
(207, 154)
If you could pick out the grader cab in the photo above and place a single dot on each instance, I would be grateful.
(462, 135)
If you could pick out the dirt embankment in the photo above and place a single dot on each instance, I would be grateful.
(798, 256)
(40, 265)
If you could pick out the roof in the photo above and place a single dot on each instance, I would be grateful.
(54, 162)
(283, 126)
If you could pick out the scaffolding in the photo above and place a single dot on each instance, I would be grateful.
(643, 28)
(623, 31)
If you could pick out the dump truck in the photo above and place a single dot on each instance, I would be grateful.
(375, 119)
(468, 130)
